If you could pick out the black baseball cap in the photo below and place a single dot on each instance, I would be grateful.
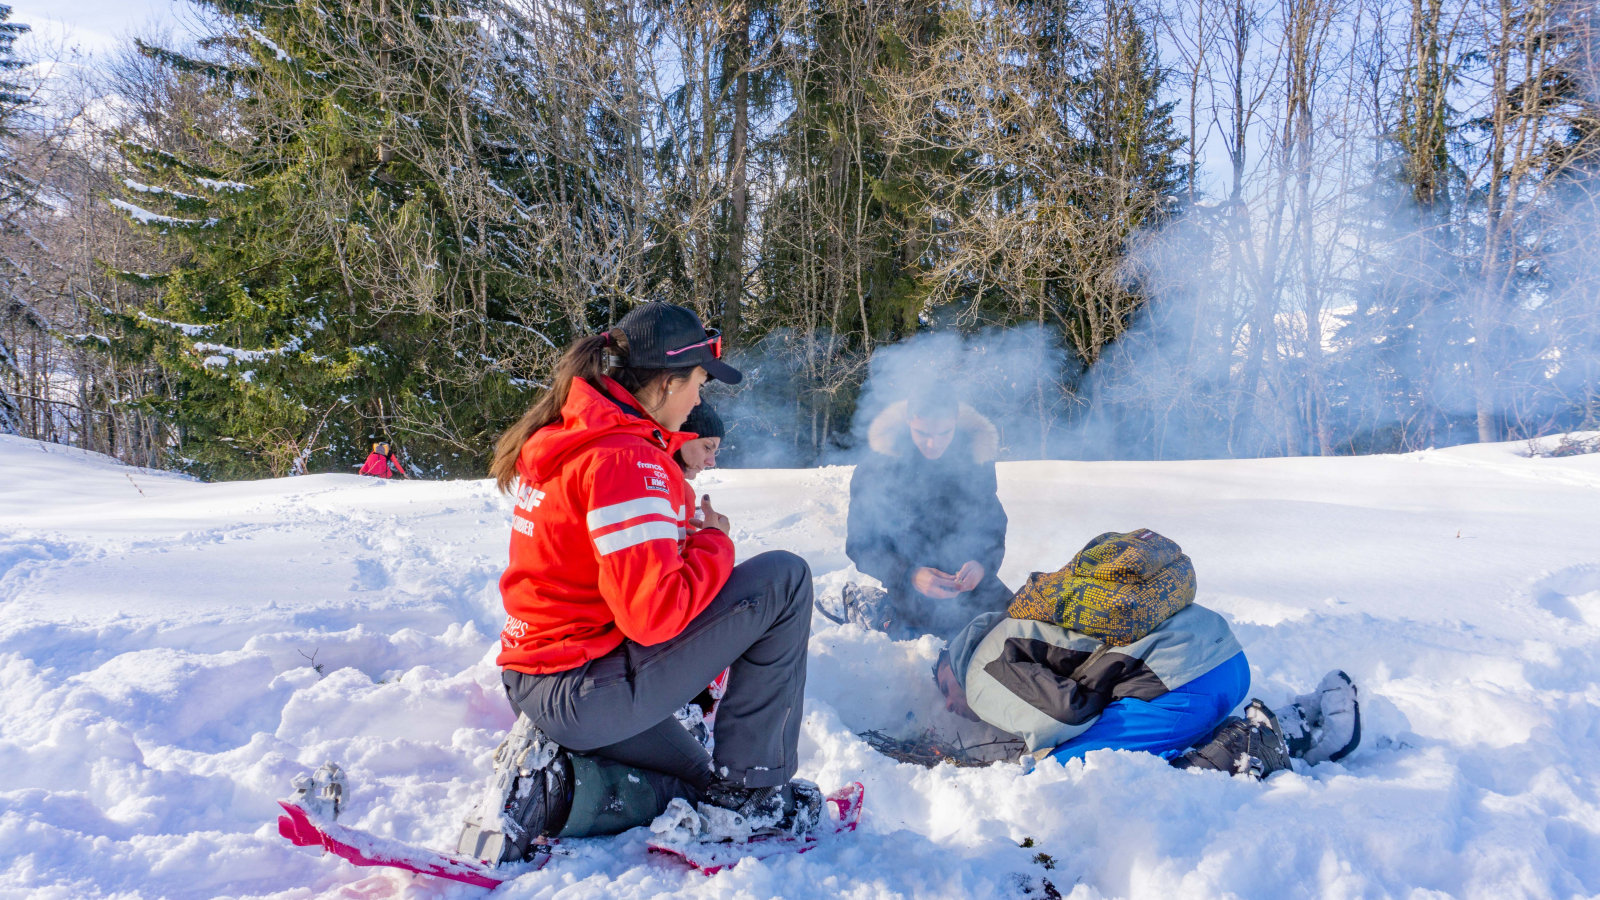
(665, 336)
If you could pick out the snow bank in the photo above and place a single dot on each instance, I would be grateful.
(172, 653)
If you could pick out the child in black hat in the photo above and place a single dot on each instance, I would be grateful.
(701, 453)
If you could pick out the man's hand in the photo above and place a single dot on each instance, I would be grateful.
(970, 575)
(710, 518)
(931, 582)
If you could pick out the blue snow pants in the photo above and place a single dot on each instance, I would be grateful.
(1171, 723)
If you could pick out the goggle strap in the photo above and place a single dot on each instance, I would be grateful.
(714, 342)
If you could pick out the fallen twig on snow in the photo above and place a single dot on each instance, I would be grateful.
(927, 750)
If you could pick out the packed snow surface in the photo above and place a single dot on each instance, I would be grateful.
(172, 653)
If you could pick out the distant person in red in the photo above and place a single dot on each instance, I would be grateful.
(381, 463)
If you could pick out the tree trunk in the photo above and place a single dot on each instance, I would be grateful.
(738, 188)
(1483, 394)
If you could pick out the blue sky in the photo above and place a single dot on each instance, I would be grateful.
(92, 25)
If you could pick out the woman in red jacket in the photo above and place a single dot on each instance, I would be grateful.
(622, 599)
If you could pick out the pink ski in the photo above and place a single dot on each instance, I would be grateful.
(363, 849)
(712, 858)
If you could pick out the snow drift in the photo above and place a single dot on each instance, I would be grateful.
(172, 653)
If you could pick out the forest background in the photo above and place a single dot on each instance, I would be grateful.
(1125, 228)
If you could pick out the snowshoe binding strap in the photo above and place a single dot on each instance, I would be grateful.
(805, 807)
(320, 794)
(1267, 745)
(735, 812)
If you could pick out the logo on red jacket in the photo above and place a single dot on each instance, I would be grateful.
(515, 628)
(657, 483)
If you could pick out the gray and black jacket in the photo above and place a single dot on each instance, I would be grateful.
(1047, 684)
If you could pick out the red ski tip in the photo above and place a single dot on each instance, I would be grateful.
(360, 848)
(290, 829)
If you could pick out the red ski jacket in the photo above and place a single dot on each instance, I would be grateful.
(600, 546)
(380, 466)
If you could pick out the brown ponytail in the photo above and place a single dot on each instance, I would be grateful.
(584, 358)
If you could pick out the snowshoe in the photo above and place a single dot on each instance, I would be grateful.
(738, 809)
(1251, 746)
(711, 838)
(806, 808)
(539, 792)
(1324, 725)
(309, 821)
(823, 610)
(693, 719)
(868, 607)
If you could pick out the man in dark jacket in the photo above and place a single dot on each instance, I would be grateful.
(924, 516)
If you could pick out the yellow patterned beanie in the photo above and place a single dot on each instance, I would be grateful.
(1118, 588)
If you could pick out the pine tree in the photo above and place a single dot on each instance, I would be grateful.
(1573, 266)
(14, 191)
(247, 335)
(332, 290)
(1128, 155)
(14, 95)
(1404, 345)
(8, 368)
(844, 234)
(1131, 142)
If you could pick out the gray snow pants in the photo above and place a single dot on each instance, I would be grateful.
(619, 706)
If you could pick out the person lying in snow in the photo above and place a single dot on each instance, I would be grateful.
(381, 463)
(925, 518)
(1112, 653)
(700, 454)
(620, 608)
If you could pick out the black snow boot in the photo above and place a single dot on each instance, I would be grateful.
(541, 790)
(1324, 725)
(793, 808)
(527, 800)
(1252, 746)
(610, 797)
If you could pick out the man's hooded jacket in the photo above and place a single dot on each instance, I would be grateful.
(908, 511)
